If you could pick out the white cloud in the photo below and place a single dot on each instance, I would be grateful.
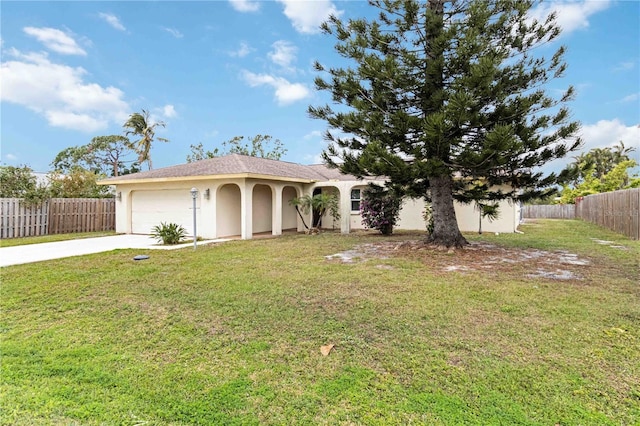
(604, 133)
(55, 40)
(313, 135)
(608, 133)
(285, 93)
(169, 111)
(570, 15)
(59, 93)
(11, 157)
(245, 5)
(242, 51)
(173, 32)
(314, 159)
(306, 16)
(113, 21)
(283, 54)
(625, 66)
(632, 97)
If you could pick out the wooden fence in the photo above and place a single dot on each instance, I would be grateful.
(56, 216)
(618, 211)
(554, 211)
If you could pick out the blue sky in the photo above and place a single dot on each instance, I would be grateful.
(213, 70)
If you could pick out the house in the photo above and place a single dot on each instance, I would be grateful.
(241, 196)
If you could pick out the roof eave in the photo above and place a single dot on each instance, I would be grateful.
(115, 181)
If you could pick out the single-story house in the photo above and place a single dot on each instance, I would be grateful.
(241, 196)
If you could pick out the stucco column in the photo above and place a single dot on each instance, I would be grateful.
(345, 208)
(276, 205)
(246, 210)
(213, 210)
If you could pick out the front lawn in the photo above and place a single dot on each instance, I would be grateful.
(21, 241)
(541, 328)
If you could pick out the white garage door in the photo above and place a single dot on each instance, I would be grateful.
(149, 208)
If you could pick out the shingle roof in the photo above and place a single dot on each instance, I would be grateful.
(236, 164)
(332, 174)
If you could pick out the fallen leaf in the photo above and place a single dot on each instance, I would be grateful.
(324, 350)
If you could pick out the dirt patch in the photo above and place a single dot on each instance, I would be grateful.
(477, 256)
(608, 243)
(363, 253)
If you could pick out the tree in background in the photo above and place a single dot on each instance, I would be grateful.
(263, 146)
(598, 162)
(380, 208)
(599, 170)
(77, 183)
(444, 93)
(108, 155)
(616, 179)
(20, 182)
(140, 125)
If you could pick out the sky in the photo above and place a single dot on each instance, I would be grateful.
(212, 70)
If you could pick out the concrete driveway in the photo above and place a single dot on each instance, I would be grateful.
(57, 250)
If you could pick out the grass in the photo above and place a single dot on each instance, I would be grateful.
(231, 334)
(11, 242)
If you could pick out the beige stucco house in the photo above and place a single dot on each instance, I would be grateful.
(241, 196)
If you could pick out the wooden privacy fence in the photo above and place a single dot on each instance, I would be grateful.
(554, 211)
(618, 211)
(56, 216)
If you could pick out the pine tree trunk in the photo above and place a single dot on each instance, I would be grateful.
(445, 225)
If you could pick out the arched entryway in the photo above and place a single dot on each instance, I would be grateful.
(262, 209)
(327, 221)
(228, 211)
(289, 215)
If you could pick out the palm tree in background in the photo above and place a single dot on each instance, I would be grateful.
(140, 125)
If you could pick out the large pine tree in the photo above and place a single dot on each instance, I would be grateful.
(448, 100)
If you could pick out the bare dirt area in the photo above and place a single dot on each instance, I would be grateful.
(477, 256)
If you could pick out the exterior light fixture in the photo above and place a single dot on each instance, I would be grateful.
(119, 196)
(207, 193)
(194, 195)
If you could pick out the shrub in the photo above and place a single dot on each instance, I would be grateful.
(168, 233)
(380, 209)
(427, 215)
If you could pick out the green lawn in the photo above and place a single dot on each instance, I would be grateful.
(11, 242)
(231, 333)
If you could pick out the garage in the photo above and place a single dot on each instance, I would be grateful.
(149, 208)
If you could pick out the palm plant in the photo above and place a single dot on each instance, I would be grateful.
(140, 125)
(320, 204)
(489, 211)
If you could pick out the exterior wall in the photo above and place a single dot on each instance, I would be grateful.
(466, 214)
(232, 207)
(261, 209)
(243, 207)
(354, 215)
(206, 208)
(469, 218)
(411, 215)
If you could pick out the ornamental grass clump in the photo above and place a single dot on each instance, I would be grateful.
(168, 233)
(380, 209)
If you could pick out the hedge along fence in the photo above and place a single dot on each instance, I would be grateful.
(618, 211)
(56, 216)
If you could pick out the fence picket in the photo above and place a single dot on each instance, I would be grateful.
(56, 216)
(555, 211)
(618, 211)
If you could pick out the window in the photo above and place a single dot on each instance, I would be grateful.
(355, 200)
